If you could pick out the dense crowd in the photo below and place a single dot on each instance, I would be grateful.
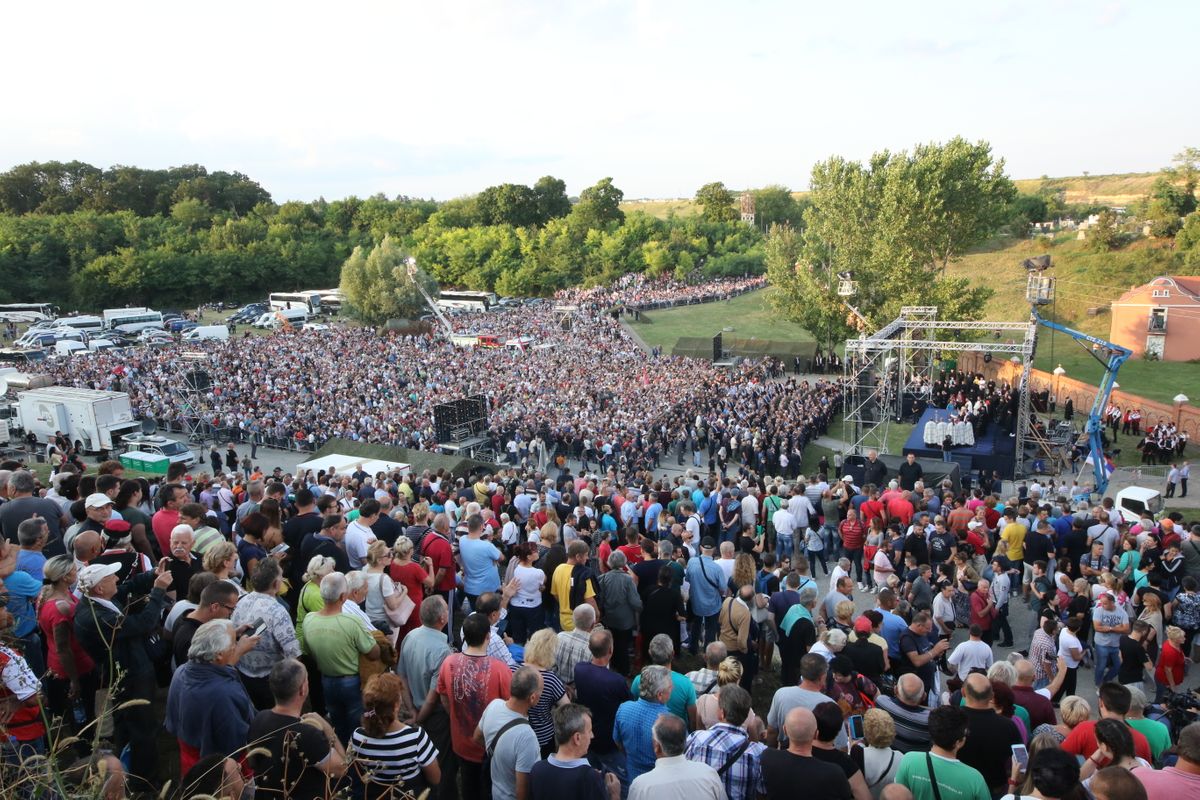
(570, 624)
(360, 635)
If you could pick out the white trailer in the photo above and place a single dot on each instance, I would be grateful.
(206, 332)
(94, 417)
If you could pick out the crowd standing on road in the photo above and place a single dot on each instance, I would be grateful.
(599, 631)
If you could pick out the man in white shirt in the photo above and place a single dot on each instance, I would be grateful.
(750, 510)
(802, 510)
(727, 560)
(974, 653)
(359, 534)
(673, 776)
(785, 528)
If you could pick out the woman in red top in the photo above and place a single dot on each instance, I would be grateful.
(853, 537)
(72, 676)
(1168, 673)
(417, 578)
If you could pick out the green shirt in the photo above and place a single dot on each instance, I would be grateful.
(310, 601)
(956, 780)
(204, 538)
(683, 694)
(335, 642)
(1155, 732)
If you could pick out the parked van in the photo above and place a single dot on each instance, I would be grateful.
(206, 332)
(68, 347)
(273, 319)
(81, 323)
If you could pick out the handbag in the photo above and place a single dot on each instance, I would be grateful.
(399, 615)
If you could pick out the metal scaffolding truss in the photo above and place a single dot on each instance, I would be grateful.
(899, 360)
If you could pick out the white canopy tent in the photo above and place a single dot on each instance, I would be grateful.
(348, 464)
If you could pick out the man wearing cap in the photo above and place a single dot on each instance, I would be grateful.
(706, 579)
(120, 643)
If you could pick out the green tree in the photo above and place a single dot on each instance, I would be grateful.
(508, 204)
(895, 222)
(598, 206)
(775, 205)
(550, 194)
(1104, 235)
(716, 202)
(377, 284)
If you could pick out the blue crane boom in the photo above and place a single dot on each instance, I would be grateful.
(1095, 422)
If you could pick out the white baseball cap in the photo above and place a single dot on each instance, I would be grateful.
(97, 500)
(92, 574)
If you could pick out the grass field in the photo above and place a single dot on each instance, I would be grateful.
(1156, 380)
(748, 315)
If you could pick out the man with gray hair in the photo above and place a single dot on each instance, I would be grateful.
(508, 739)
(23, 504)
(674, 777)
(572, 646)
(909, 713)
(335, 641)
(1156, 733)
(632, 727)
(208, 709)
(682, 702)
(422, 652)
(566, 773)
(704, 679)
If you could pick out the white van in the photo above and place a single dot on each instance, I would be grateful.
(80, 323)
(206, 332)
(68, 347)
(273, 319)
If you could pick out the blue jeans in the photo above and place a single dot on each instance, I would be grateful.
(833, 542)
(711, 626)
(613, 762)
(1108, 661)
(784, 544)
(343, 700)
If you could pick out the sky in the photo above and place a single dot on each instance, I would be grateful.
(440, 99)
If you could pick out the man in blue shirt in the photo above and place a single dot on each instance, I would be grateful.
(633, 728)
(707, 580)
(894, 625)
(479, 558)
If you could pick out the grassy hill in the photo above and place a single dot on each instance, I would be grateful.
(1114, 190)
(749, 315)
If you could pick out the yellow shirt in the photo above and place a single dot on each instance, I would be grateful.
(1014, 534)
(560, 587)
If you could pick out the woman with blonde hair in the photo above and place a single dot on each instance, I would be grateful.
(1152, 615)
(71, 672)
(310, 594)
(1171, 664)
(383, 595)
(416, 578)
(539, 653)
(1073, 710)
(880, 761)
(729, 671)
(743, 572)
(388, 755)
(220, 559)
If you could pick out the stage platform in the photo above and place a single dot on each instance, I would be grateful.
(994, 450)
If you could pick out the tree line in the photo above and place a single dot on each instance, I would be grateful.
(86, 238)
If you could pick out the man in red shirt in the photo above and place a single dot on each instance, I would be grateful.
(900, 507)
(871, 508)
(466, 683)
(983, 608)
(1114, 704)
(171, 497)
(435, 546)
(632, 549)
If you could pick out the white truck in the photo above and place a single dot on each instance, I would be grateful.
(94, 417)
(206, 332)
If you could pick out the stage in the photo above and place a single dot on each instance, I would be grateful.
(993, 450)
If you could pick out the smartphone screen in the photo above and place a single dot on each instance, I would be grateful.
(1020, 755)
(856, 726)
(280, 548)
(262, 626)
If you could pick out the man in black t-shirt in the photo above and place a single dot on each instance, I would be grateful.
(1135, 663)
(918, 654)
(306, 759)
(783, 771)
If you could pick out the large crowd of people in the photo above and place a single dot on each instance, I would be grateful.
(573, 622)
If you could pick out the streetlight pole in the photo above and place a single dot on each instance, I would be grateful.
(1058, 373)
(1180, 400)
